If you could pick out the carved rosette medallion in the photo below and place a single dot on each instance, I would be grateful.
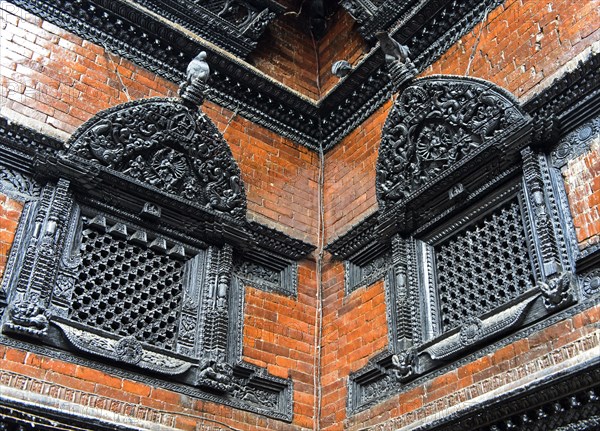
(471, 331)
(591, 282)
(129, 350)
(436, 123)
(166, 145)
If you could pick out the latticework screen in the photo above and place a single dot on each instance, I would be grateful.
(483, 266)
(128, 290)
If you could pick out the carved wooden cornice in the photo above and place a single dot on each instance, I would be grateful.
(428, 28)
(149, 41)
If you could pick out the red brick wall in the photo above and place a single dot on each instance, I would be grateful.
(287, 54)
(59, 80)
(90, 388)
(547, 349)
(354, 329)
(342, 42)
(582, 183)
(524, 42)
(10, 211)
(281, 177)
(279, 335)
(350, 176)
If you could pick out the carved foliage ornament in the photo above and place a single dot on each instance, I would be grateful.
(167, 145)
(435, 124)
(16, 184)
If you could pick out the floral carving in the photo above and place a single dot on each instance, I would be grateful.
(13, 182)
(168, 145)
(436, 123)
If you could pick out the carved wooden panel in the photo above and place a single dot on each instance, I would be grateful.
(437, 124)
(167, 145)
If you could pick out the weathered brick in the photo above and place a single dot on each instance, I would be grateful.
(89, 374)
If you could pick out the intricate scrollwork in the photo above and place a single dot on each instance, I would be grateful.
(168, 145)
(575, 143)
(126, 349)
(251, 270)
(14, 182)
(435, 124)
(475, 329)
(557, 292)
(403, 364)
(255, 396)
(215, 375)
(27, 316)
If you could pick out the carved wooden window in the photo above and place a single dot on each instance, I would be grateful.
(136, 251)
(468, 216)
(478, 267)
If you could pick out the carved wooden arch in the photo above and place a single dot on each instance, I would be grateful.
(165, 144)
(438, 123)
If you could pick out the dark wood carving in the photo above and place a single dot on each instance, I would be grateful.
(166, 145)
(126, 251)
(145, 39)
(435, 124)
(469, 214)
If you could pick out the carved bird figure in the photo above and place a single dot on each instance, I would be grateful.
(393, 50)
(341, 68)
(198, 69)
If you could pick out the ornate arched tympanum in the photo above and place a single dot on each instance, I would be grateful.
(436, 125)
(167, 145)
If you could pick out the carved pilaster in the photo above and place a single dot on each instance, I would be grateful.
(401, 292)
(214, 337)
(194, 274)
(28, 305)
(66, 277)
(535, 191)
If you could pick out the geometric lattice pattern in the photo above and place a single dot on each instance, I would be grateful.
(483, 266)
(127, 290)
